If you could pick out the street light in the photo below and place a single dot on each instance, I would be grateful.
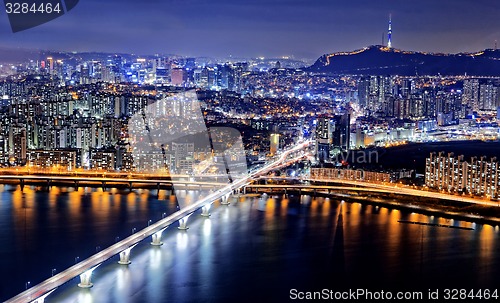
(28, 284)
(76, 259)
(53, 271)
(149, 222)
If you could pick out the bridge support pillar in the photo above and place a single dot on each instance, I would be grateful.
(183, 223)
(205, 210)
(85, 278)
(103, 185)
(21, 183)
(49, 184)
(76, 185)
(125, 256)
(157, 238)
(225, 200)
(130, 185)
(245, 190)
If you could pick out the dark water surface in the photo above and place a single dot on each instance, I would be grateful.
(254, 250)
(45, 230)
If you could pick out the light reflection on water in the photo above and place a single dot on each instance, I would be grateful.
(60, 224)
(252, 247)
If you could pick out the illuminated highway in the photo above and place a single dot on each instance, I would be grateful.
(394, 188)
(379, 188)
(105, 180)
(86, 267)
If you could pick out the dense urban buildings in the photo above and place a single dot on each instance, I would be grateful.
(249, 151)
(337, 174)
(80, 106)
(478, 177)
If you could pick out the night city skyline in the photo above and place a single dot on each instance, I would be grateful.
(297, 28)
(249, 151)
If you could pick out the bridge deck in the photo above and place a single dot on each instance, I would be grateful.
(74, 271)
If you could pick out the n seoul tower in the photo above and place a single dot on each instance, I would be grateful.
(389, 33)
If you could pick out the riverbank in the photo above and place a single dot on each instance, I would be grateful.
(429, 206)
(471, 213)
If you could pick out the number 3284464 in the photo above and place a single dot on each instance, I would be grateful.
(33, 8)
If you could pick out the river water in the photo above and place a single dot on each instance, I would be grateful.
(254, 250)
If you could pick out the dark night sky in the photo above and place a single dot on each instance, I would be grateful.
(248, 28)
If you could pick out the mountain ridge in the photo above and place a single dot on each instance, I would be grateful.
(381, 60)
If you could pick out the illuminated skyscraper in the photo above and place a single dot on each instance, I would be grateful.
(342, 132)
(389, 33)
(470, 94)
(275, 143)
(178, 76)
(488, 96)
(51, 65)
(324, 133)
(363, 91)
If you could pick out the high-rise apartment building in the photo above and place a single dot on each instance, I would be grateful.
(479, 176)
(342, 132)
(324, 133)
(470, 94)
